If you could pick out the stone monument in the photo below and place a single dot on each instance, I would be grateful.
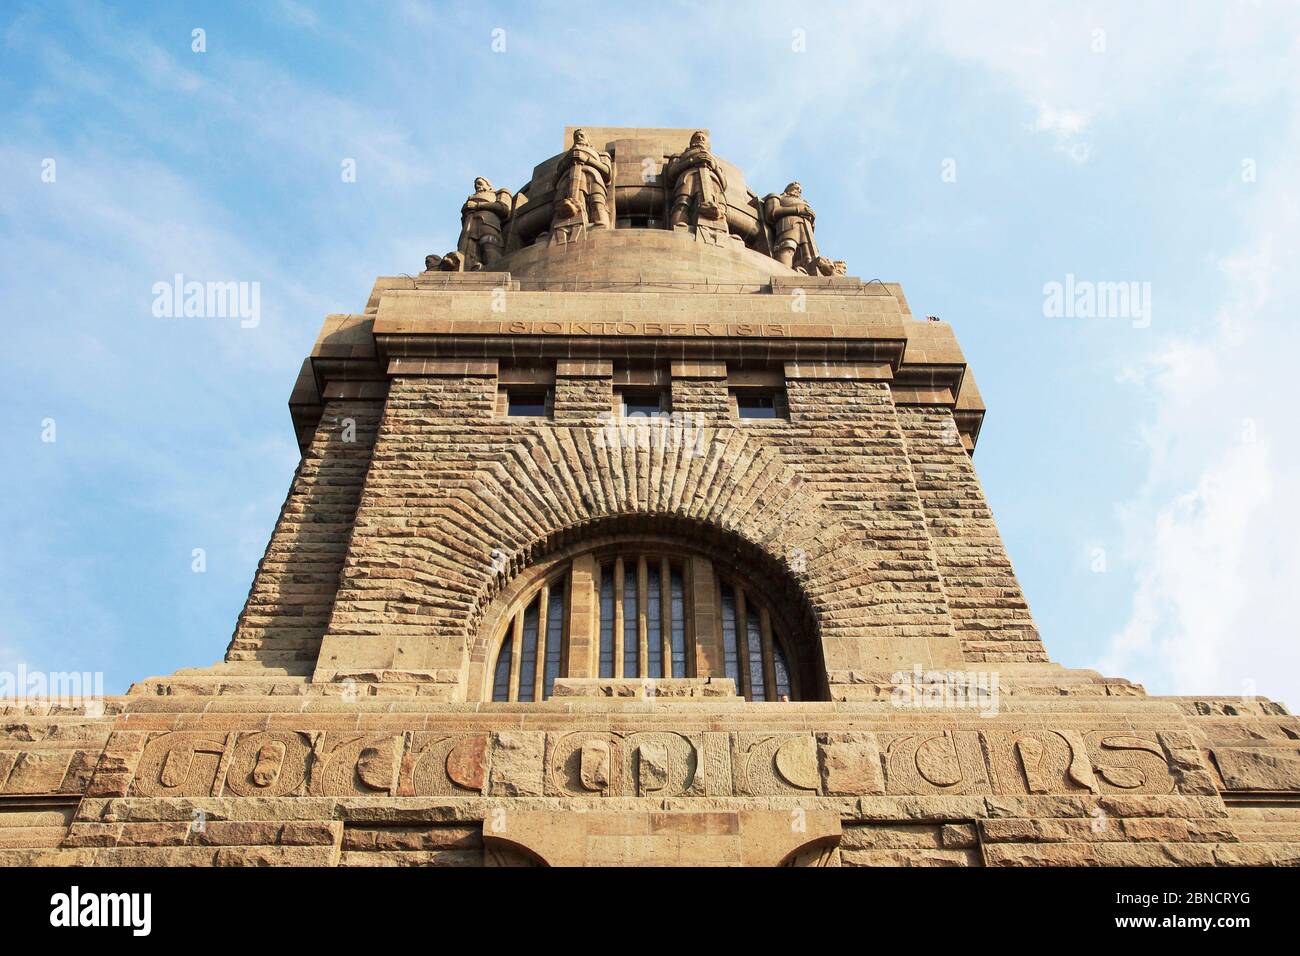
(609, 526)
(482, 218)
(698, 187)
(582, 185)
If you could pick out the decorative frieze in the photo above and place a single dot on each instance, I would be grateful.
(657, 763)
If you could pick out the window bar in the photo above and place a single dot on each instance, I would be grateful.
(754, 641)
(666, 619)
(543, 625)
(555, 642)
(742, 643)
(769, 667)
(516, 649)
(618, 617)
(642, 608)
(631, 626)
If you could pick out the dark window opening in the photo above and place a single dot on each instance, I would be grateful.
(540, 628)
(651, 612)
(761, 403)
(645, 404)
(528, 403)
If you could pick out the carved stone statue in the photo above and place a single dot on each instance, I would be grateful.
(792, 221)
(481, 220)
(582, 183)
(698, 186)
(451, 262)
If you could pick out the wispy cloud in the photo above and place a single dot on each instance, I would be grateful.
(1212, 530)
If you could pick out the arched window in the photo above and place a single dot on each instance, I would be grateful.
(642, 616)
(753, 655)
(640, 613)
(531, 653)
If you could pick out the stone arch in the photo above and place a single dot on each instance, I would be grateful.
(504, 495)
(821, 851)
(558, 483)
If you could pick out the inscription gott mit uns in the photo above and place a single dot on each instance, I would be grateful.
(549, 327)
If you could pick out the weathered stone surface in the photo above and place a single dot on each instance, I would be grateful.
(850, 763)
(517, 764)
(1259, 768)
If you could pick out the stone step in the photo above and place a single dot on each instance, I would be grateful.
(412, 858)
(1268, 831)
(249, 669)
(12, 838)
(1265, 812)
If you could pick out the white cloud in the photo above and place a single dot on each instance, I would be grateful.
(1067, 127)
(298, 14)
(1079, 66)
(1212, 532)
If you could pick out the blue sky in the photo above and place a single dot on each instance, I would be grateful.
(1145, 478)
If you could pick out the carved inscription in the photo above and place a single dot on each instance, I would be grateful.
(934, 763)
(1129, 762)
(1005, 760)
(443, 765)
(289, 763)
(774, 763)
(181, 765)
(578, 327)
(1040, 761)
(268, 764)
(363, 765)
(649, 763)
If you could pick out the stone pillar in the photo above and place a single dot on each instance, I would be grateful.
(704, 624)
(397, 616)
(583, 391)
(583, 637)
(700, 389)
(847, 443)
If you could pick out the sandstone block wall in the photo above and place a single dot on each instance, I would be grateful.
(988, 609)
(294, 588)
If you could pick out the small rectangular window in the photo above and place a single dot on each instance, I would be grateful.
(644, 403)
(527, 402)
(760, 403)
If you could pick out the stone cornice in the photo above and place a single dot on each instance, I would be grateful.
(839, 326)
